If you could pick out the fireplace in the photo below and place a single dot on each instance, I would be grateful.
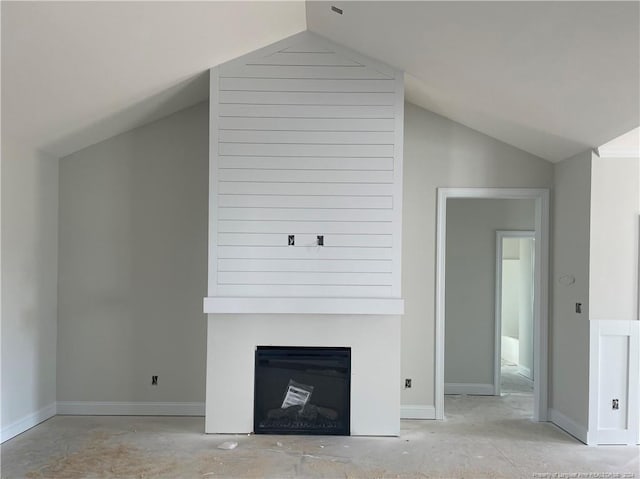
(373, 343)
(305, 243)
(302, 390)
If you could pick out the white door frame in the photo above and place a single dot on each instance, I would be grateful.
(500, 235)
(541, 286)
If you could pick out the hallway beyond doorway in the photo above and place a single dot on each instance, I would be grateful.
(512, 382)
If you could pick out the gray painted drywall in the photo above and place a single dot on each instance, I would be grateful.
(615, 193)
(133, 264)
(441, 153)
(437, 151)
(471, 281)
(29, 276)
(568, 330)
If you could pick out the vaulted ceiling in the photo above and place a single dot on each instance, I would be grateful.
(75, 73)
(551, 78)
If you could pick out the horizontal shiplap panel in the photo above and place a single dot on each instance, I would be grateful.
(308, 163)
(305, 214)
(306, 111)
(306, 278)
(310, 240)
(305, 98)
(324, 59)
(298, 252)
(306, 124)
(279, 149)
(357, 240)
(310, 227)
(273, 71)
(304, 201)
(328, 189)
(317, 291)
(308, 45)
(309, 84)
(303, 265)
(306, 176)
(308, 137)
(305, 146)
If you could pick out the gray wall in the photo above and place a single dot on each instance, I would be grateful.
(29, 275)
(133, 269)
(569, 331)
(615, 194)
(471, 282)
(440, 153)
(118, 219)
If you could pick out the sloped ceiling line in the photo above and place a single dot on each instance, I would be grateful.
(551, 78)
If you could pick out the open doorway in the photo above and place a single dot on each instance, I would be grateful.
(515, 275)
(540, 199)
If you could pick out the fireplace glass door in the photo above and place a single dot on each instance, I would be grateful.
(302, 390)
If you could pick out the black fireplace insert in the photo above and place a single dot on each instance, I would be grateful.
(302, 390)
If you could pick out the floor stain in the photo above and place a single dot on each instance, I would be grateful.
(101, 460)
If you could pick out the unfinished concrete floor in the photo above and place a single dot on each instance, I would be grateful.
(482, 437)
(511, 381)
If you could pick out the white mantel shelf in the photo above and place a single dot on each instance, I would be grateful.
(263, 305)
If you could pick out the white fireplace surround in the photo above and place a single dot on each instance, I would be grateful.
(375, 365)
(305, 223)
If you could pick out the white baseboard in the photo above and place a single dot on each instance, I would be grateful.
(526, 372)
(27, 422)
(569, 425)
(473, 389)
(94, 408)
(414, 411)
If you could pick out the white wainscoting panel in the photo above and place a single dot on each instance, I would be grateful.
(614, 375)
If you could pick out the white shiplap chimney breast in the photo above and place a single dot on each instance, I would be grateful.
(306, 141)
